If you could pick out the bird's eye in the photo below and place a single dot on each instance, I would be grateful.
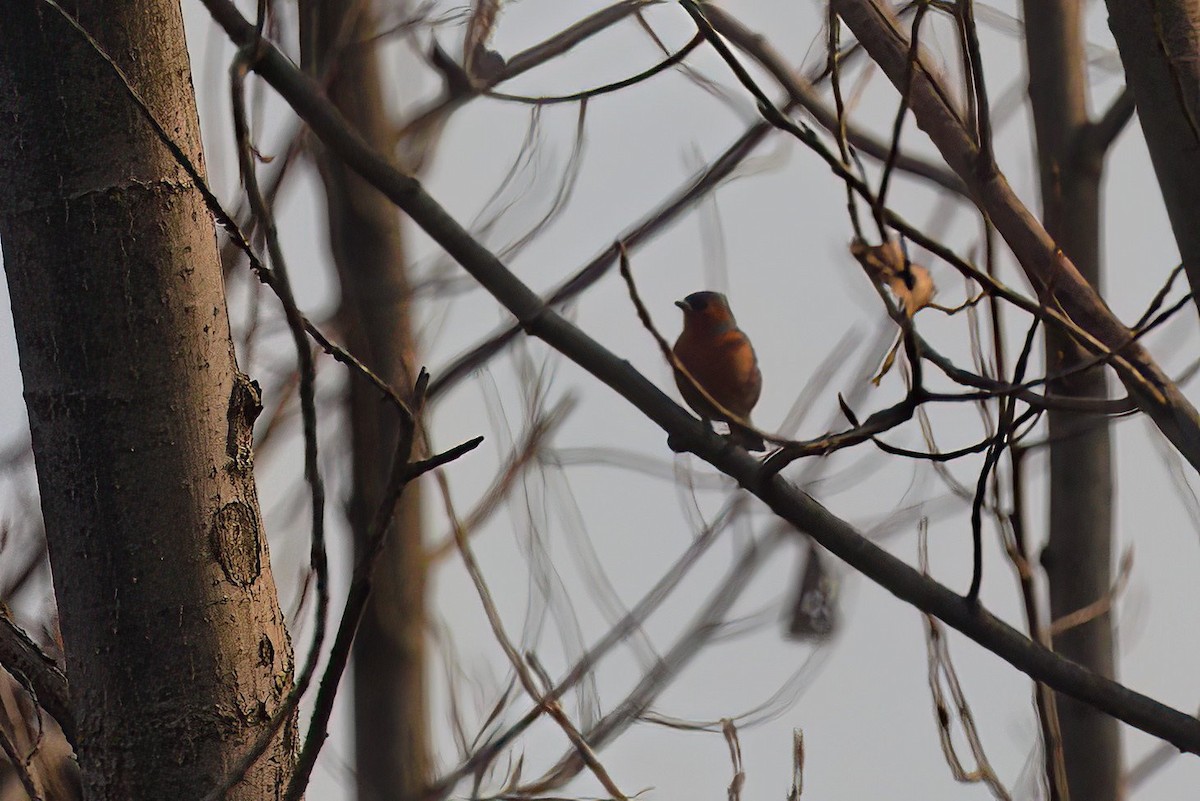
(700, 305)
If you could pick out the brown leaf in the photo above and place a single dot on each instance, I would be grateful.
(909, 282)
(479, 33)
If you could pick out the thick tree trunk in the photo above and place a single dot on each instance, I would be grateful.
(1159, 42)
(176, 649)
(1078, 556)
(392, 747)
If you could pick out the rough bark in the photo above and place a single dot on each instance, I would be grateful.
(392, 748)
(1159, 42)
(1078, 556)
(176, 649)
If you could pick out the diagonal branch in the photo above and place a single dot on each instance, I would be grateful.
(780, 495)
(1159, 41)
(1100, 135)
(800, 90)
(1048, 269)
(22, 657)
(585, 277)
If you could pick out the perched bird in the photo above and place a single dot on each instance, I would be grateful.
(719, 356)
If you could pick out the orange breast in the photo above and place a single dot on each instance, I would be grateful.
(725, 365)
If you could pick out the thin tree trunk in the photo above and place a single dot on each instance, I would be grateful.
(176, 649)
(1159, 42)
(1078, 556)
(392, 744)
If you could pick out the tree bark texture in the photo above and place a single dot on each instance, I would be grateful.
(177, 653)
(1078, 555)
(391, 718)
(1159, 42)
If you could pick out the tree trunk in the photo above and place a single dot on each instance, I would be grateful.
(177, 653)
(1078, 556)
(1159, 42)
(392, 744)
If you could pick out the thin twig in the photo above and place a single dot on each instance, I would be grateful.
(586, 94)
(735, 755)
(237, 237)
(942, 677)
(22, 657)
(20, 766)
(1099, 136)
(1004, 429)
(525, 453)
(965, 12)
(551, 706)
(898, 125)
(458, 93)
(801, 91)
(1050, 271)
(784, 499)
(619, 631)
(1098, 607)
(402, 473)
(833, 65)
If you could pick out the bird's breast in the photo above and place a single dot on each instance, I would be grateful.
(725, 365)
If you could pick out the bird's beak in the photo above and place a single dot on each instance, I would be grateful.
(683, 304)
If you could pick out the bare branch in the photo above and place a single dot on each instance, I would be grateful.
(618, 632)
(22, 657)
(360, 590)
(20, 766)
(800, 90)
(782, 497)
(597, 268)
(943, 677)
(675, 58)
(1046, 266)
(551, 706)
(1101, 134)
(1159, 44)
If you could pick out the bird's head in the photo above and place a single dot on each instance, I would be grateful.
(707, 310)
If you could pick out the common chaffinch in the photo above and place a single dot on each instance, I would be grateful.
(719, 356)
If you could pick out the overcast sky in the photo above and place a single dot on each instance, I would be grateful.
(775, 241)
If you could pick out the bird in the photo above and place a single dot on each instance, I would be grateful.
(721, 359)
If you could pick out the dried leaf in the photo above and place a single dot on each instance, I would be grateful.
(910, 283)
(888, 361)
(478, 60)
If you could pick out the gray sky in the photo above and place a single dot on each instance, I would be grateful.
(864, 707)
